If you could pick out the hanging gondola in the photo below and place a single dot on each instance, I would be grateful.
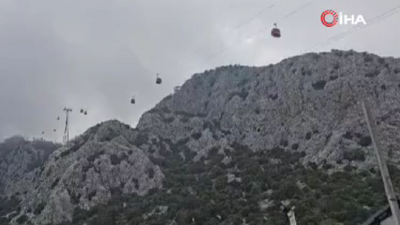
(82, 111)
(276, 33)
(133, 101)
(158, 80)
(58, 118)
(85, 113)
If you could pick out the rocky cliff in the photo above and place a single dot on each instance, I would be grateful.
(19, 158)
(88, 171)
(228, 148)
(307, 103)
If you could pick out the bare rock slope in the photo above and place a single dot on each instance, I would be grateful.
(88, 172)
(307, 103)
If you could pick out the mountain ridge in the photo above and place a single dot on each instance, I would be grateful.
(227, 148)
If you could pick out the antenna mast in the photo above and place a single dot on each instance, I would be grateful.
(66, 131)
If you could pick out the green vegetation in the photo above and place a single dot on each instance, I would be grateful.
(7, 206)
(354, 155)
(201, 191)
(243, 93)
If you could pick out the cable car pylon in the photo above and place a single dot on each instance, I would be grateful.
(66, 131)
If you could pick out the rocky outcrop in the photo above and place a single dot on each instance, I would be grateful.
(19, 157)
(89, 171)
(307, 103)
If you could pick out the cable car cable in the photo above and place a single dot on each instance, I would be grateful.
(249, 19)
(263, 29)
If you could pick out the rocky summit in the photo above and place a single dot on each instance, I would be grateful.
(229, 147)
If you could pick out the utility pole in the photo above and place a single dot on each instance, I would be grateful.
(394, 206)
(66, 131)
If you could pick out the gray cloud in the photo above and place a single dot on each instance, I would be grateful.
(97, 54)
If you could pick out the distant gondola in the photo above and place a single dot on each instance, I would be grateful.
(158, 80)
(133, 101)
(276, 33)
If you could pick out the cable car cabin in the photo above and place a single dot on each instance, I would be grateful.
(276, 33)
(158, 80)
(81, 110)
(133, 101)
(85, 113)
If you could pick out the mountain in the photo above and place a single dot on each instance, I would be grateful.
(19, 158)
(228, 148)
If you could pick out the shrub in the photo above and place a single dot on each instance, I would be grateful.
(55, 183)
(22, 219)
(295, 146)
(308, 136)
(365, 141)
(196, 136)
(354, 155)
(319, 85)
(39, 208)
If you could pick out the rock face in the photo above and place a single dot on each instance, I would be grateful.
(227, 148)
(18, 159)
(307, 103)
(89, 171)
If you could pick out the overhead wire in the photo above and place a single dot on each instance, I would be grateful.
(253, 17)
(247, 21)
(296, 10)
(263, 29)
(329, 41)
(287, 16)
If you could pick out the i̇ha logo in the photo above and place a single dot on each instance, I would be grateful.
(340, 18)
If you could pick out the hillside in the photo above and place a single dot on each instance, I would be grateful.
(227, 148)
(19, 158)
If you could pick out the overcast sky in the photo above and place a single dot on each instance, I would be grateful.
(96, 54)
